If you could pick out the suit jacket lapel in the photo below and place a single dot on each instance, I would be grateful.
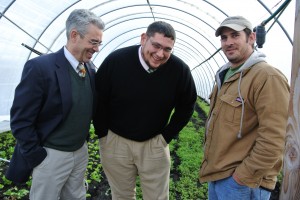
(64, 81)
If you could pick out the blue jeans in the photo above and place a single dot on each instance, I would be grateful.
(229, 189)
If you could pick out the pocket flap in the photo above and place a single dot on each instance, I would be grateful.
(234, 101)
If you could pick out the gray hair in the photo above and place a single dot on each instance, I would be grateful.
(163, 28)
(79, 19)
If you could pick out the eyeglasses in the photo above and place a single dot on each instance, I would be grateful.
(158, 47)
(95, 43)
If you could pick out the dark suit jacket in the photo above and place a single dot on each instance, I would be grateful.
(42, 101)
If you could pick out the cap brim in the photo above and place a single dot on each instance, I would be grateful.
(235, 27)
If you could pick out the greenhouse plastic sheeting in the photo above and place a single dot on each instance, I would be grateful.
(41, 25)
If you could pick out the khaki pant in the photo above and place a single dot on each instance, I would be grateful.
(60, 175)
(123, 160)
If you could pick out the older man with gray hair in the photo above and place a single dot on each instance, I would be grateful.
(52, 112)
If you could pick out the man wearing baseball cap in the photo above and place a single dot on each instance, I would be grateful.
(246, 126)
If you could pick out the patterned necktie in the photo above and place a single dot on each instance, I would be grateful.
(81, 70)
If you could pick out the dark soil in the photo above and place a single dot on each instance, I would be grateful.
(276, 192)
(100, 191)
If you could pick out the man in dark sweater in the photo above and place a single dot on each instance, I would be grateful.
(52, 111)
(138, 88)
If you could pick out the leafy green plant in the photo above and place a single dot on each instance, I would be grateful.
(16, 193)
(203, 105)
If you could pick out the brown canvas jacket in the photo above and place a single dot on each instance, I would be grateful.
(256, 156)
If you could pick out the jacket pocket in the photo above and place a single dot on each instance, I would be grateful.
(232, 108)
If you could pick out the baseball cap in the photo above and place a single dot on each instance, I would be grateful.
(237, 23)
